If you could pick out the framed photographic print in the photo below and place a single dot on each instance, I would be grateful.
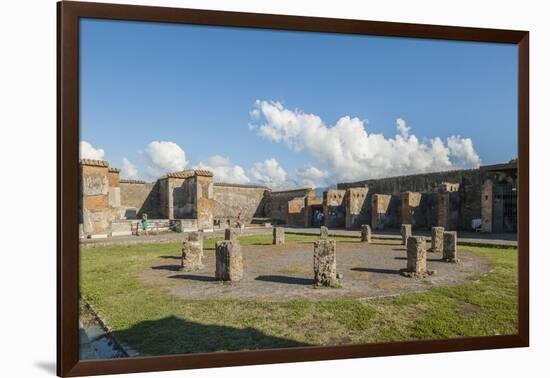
(238, 188)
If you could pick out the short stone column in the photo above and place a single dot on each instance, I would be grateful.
(192, 252)
(366, 233)
(323, 233)
(437, 239)
(229, 261)
(416, 258)
(324, 263)
(449, 246)
(406, 232)
(230, 234)
(278, 235)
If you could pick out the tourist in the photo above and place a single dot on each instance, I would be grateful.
(145, 224)
(239, 222)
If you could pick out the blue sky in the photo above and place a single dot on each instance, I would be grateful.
(198, 87)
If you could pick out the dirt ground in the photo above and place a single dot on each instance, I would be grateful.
(285, 272)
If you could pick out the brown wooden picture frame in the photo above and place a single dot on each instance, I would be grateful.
(69, 13)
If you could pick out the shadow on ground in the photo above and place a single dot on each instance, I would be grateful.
(194, 277)
(171, 268)
(376, 270)
(285, 279)
(173, 335)
(427, 259)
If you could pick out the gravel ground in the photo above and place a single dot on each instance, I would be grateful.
(284, 272)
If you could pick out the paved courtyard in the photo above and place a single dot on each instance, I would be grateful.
(284, 272)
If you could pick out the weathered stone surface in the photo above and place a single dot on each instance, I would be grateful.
(278, 235)
(449, 246)
(324, 263)
(192, 252)
(416, 258)
(410, 201)
(379, 208)
(487, 206)
(356, 206)
(406, 232)
(229, 261)
(437, 239)
(231, 234)
(323, 232)
(366, 234)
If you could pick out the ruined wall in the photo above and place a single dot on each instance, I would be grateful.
(138, 197)
(410, 203)
(205, 202)
(465, 206)
(356, 207)
(99, 197)
(334, 208)
(248, 200)
(279, 203)
(184, 198)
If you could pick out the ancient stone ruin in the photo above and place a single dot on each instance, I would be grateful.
(366, 233)
(449, 246)
(324, 263)
(323, 232)
(192, 252)
(416, 258)
(192, 200)
(437, 239)
(406, 232)
(229, 261)
(278, 235)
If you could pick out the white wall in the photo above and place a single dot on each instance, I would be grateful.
(27, 146)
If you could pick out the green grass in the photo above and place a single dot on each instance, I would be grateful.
(155, 323)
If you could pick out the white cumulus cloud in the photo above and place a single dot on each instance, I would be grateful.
(349, 152)
(163, 157)
(224, 170)
(269, 172)
(128, 170)
(309, 176)
(87, 151)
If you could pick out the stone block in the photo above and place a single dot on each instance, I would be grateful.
(366, 233)
(437, 239)
(324, 263)
(449, 246)
(323, 232)
(416, 258)
(406, 232)
(192, 252)
(229, 260)
(278, 235)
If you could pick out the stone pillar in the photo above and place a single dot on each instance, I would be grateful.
(437, 239)
(324, 263)
(323, 232)
(406, 231)
(444, 202)
(449, 246)
(416, 258)
(278, 235)
(355, 203)
(230, 234)
(410, 201)
(229, 261)
(487, 206)
(379, 209)
(191, 252)
(366, 233)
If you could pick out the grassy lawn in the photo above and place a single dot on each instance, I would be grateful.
(155, 323)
